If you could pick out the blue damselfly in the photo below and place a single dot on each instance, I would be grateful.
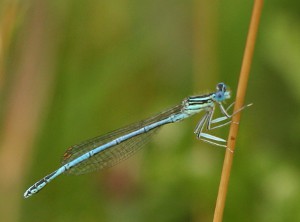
(108, 150)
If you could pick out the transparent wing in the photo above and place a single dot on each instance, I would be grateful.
(117, 153)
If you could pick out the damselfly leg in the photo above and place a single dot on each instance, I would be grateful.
(207, 120)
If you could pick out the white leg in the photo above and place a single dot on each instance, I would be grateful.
(208, 121)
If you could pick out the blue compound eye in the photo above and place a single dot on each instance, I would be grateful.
(221, 87)
(219, 96)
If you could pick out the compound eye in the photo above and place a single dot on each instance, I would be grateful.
(219, 96)
(221, 87)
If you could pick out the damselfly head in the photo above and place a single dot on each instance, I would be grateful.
(222, 93)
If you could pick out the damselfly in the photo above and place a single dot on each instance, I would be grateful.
(108, 150)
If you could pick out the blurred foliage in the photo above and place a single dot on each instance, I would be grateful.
(115, 62)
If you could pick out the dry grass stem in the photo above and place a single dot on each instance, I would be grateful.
(241, 91)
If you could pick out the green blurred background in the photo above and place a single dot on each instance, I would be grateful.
(71, 70)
